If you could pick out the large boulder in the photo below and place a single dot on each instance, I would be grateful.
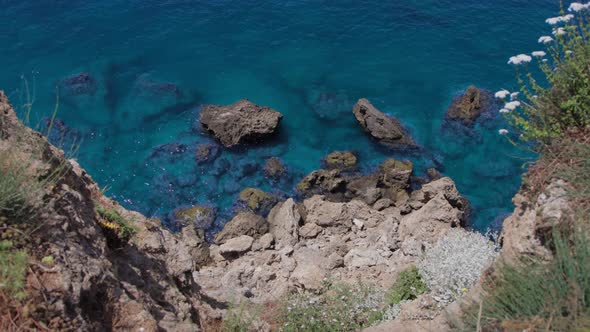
(467, 107)
(284, 220)
(200, 217)
(385, 129)
(241, 122)
(244, 223)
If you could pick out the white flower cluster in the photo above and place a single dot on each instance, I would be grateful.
(576, 7)
(502, 94)
(545, 39)
(519, 59)
(539, 54)
(502, 131)
(559, 32)
(559, 19)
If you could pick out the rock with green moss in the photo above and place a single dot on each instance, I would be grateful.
(257, 200)
(343, 160)
(396, 174)
(322, 182)
(201, 217)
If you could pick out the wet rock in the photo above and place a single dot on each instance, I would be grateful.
(244, 223)
(467, 107)
(433, 174)
(275, 168)
(284, 220)
(207, 153)
(385, 129)
(322, 181)
(236, 246)
(79, 84)
(241, 122)
(257, 200)
(200, 217)
(342, 160)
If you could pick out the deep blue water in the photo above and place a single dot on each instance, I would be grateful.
(310, 60)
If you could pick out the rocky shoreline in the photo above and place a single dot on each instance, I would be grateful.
(344, 227)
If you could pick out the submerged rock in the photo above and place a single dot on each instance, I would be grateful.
(257, 200)
(385, 129)
(200, 217)
(343, 160)
(241, 122)
(79, 84)
(467, 107)
(207, 153)
(275, 168)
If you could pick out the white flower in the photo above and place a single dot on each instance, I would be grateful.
(568, 52)
(558, 31)
(539, 54)
(559, 19)
(502, 94)
(514, 95)
(576, 7)
(504, 110)
(545, 39)
(521, 58)
(512, 105)
(502, 131)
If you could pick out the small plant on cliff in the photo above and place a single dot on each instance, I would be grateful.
(408, 286)
(241, 318)
(560, 100)
(13, 269)
(111, 221)
(339, 307)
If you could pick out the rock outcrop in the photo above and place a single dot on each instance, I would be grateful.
(385, 129)
(467, 107)
(342, 160)
(95, 283)
(242, 122)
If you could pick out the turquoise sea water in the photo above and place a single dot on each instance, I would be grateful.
(310, 60)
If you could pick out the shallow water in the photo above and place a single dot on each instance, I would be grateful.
(310, 60)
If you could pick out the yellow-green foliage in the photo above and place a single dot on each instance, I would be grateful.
(408, 286)
(560, 100)
(340, 307)
(13, 270)
(112, 220)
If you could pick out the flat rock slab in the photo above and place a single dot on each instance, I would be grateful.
(241, 122)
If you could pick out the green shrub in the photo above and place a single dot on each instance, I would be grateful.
(560, 100)
(13, 270)
(408, 286)
(340, 307)
(112, 221)
(240, 318)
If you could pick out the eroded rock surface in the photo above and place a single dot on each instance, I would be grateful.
(241, 122)
(380, 126)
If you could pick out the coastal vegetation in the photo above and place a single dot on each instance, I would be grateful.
(535, 293)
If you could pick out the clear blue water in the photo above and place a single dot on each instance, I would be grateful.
(410, 58)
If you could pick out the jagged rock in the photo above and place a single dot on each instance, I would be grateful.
(257, 200)
(244, 223)
(201, 217)
(325, 213)
(382, 204)
(335, 261)
(236, 246)
(396, 174)
(310, 269)
(240, 122)
(386, 129)
(361, 258)
(310, 230)
(391, 179)
(467, 107)
(275, 168)
(342, 160)
(207, 153)
(264, 242)
(284, 221)
(322, 181)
